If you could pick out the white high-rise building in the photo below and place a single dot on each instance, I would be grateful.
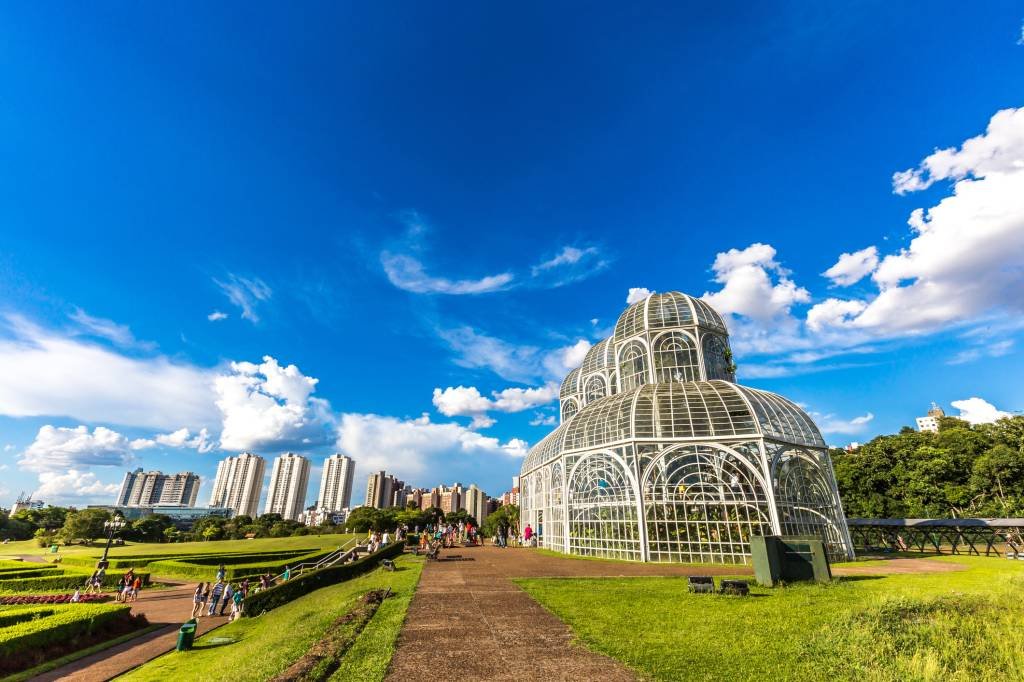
(474, 501)
(238, 483)
(145, 489)
(931, 421)
(288, 481)
(336, 484)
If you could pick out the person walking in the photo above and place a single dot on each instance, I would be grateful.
(221, 573)
(197, 600)
(236, 604)
(218, 590)
(287, 573)
(228, 594)
(386, 539)
(136, 586)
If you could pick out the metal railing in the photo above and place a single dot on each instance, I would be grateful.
(341, 554)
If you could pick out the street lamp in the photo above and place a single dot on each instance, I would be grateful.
(111, 526)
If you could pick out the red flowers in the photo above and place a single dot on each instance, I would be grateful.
(51, 599)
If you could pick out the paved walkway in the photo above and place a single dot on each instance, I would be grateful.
(468, 620)
(171, 607)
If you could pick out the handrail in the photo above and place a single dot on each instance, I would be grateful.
(329, 560)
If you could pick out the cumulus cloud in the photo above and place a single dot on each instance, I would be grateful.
(407, 273)
(541, 419)
(270, 406)
(467, 401)
(636, 294)
(853, 267)
(966, 257)
(62, 448)
(246, 293)
(182, 438)
(73, 487)
(217, 316)
(513, 362)
(50, 374)
(411, 448)
(978, 411)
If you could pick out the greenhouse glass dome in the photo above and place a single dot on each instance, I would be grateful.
(661, 456)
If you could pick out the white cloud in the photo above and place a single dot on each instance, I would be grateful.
(636, 294)
(9, 447)
(407, 273)
(467, 401)
(833, 312)
(119, 334)
(246, 293)
(853, 267)
(46, 374)
(217, 316)
(411, 448)
(62, 448)
(992, 350)
(569, 265)
(965, 258)
(182, 438)
(829, 423)
(978, 411)
(73, 487)
(541, 419)
(569, 255)
(522, 363)
(269, 406)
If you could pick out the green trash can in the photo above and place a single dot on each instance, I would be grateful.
(186, 636)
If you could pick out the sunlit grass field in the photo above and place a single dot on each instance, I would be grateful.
(13, 549)
(960, 625)
(261, 647)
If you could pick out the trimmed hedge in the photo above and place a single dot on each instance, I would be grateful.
(285, 592)
(216, 558)
(61, 625)
(15, 616)
(27, 572)
(67, 580)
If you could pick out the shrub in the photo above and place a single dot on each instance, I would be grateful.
(21, 643)
(309, 582)
(207, 569)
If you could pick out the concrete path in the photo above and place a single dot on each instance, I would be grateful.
(171, 607)
(468, 620)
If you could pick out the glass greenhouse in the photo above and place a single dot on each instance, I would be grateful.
(661, 456)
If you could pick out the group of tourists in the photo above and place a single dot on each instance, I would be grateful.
(95, 581)
(508, 536)
(129, 586)
(222, 594)
(377, 539)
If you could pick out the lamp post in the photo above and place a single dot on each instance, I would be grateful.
(111, 526)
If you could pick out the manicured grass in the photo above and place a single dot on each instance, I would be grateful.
(178, 548)
(962, 625)
(267, 644)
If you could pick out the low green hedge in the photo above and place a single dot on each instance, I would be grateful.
(28, 572)
(20, 615)
(233, 559)
(62, 624)
(285, 592)
(67, 580)
(214, 558)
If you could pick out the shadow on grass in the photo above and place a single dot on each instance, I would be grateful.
(856, 578)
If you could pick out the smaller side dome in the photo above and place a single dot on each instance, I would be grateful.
(600, 358)
(570, 385)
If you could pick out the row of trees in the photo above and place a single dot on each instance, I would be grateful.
(961, 471)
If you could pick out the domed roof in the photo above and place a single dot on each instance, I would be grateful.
(671, 309)
(570, 385)
(676, 410)
(599, 358)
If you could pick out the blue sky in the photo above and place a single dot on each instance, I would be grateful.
(296, 229)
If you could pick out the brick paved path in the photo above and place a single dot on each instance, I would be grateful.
(171, 607)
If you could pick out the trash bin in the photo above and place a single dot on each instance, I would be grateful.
(186, 636)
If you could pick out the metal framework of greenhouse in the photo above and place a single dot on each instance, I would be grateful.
(980, 537)
(662, 456)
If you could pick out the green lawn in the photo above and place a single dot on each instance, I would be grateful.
(963, 625)
(13, 549)
(266, 645)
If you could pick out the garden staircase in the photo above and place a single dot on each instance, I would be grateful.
(340, 555)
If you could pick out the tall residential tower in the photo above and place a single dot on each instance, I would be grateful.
(238, 483)
(336, 483)
(288, 481)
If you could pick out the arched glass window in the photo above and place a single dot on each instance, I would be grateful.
(717, 359)
(632, 367)
(595, 389)
(569, 408)
(675, 358)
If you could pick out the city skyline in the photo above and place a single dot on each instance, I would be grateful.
(212, 248)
